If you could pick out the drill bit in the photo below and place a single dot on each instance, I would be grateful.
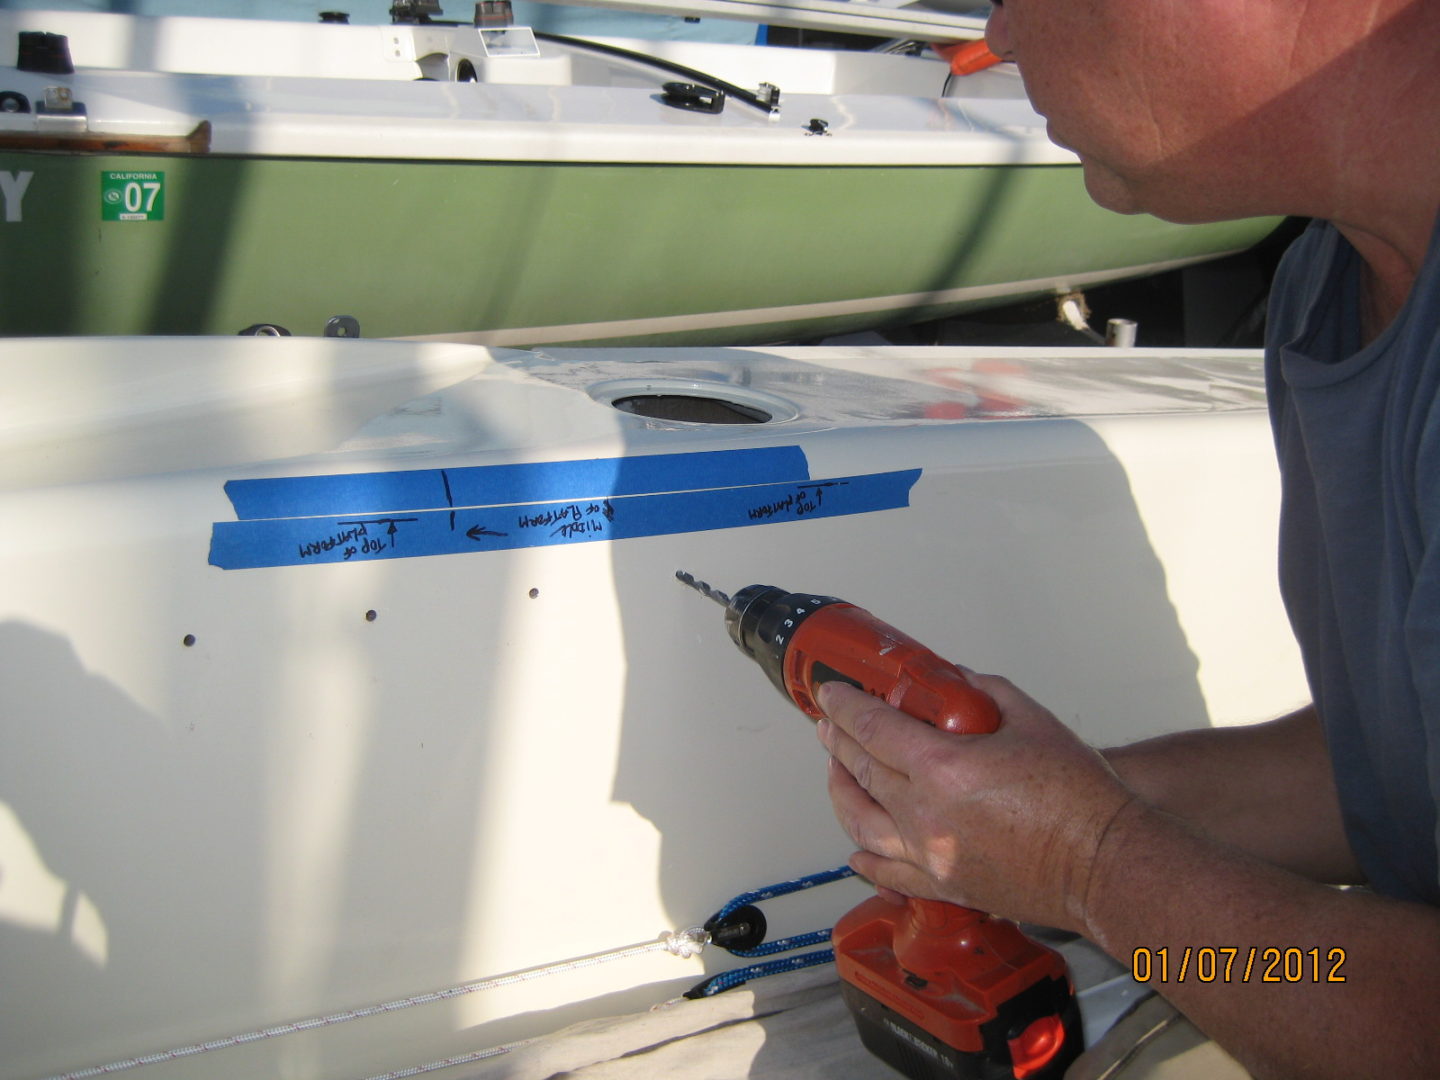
(702, 587)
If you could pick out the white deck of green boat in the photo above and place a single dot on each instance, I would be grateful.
(184, 38)
(450, 121)
(265, 87)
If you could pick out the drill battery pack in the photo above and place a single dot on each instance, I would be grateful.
(944, 996)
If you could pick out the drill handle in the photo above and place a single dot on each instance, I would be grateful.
(941, 918)
(936, 691)
(844, 642)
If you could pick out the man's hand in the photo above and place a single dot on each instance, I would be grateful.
(1009, 822)
(1031, 824)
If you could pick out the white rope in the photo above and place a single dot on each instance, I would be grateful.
(448, 1063)
(682, 943)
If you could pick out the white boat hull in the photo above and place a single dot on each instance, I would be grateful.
(233, 798)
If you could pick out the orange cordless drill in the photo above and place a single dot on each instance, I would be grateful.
(937, 991)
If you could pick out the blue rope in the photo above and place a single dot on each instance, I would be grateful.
(730, 979)
(769, 948)
(784, 888)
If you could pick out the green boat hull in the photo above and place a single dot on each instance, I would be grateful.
(526, 254)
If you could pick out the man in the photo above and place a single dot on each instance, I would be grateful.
(1234, 838)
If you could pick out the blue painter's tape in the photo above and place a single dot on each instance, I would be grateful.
(330, 538)
(368, 494)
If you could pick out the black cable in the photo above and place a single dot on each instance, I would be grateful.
(769, 104)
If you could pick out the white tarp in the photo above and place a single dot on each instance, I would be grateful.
(796, 1027)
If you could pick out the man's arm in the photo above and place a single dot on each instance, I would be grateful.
(1295, 979)
(1031, 824)
(1267, 789)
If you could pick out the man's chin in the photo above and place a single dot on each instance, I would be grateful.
(1056, 139)
(1108, 190)
(1160, 195)
(1166, 203)
(1104, 186)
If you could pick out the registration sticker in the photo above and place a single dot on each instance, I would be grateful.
(132, 196)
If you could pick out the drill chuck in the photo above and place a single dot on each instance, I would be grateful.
(762, 621)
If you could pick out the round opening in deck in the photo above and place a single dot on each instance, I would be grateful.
(693, 401)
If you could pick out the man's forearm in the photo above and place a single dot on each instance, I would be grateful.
(1267, 789)
(1248, 951)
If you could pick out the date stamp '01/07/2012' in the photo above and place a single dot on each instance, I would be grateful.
(1235, 964)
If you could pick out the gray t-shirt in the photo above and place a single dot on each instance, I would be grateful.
(1357, 431)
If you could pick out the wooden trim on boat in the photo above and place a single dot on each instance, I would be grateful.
(93, 142)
